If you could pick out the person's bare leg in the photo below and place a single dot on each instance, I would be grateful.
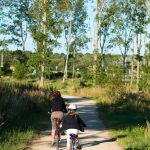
(68, 148)
(52, 136)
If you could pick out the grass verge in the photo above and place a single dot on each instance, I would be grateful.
(126, 124)
(124, 113)
(16, 135)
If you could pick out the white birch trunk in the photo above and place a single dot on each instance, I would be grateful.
(138, 59)
(95, 51)
(44, 46)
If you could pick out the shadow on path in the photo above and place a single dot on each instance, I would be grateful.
(94, 143)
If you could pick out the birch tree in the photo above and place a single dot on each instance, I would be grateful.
(19, 21)
(99, 8)
(46, 30)
(104, 32)
(75, 31)
(148, 6)
(122, 33)
(140, 24)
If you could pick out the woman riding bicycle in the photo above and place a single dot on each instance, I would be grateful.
(72, 123)
(57, 108)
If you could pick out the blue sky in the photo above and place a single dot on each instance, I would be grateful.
(30, 45)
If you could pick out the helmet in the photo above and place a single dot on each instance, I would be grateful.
(56, 94)
(72, 106)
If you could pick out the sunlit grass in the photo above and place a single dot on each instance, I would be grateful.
(132, 138)
(123, 110)
(16, 139)
(127, 123)
(18, 135)
(92, 92)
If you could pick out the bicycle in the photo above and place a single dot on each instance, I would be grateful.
(58, 131)
(74, 142)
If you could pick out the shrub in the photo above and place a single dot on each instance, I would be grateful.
(144, 83)
(1, 72)
(20, 71)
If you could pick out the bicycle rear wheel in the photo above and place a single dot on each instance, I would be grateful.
(57, 142)
(71, 145)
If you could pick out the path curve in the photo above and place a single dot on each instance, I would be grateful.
(95, 137)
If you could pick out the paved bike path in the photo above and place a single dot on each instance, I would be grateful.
(95, 137)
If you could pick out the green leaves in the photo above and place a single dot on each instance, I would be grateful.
(15, 21)
(144, 83)
(20, 71)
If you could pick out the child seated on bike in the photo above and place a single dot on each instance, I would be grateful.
(72, 123)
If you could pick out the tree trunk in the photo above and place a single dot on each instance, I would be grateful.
(132, 58)
(138, 58)
(2, 60)
(147, 5)
(23, 37)
(23, 46)
(102, 54)
(95, 52)
(68, 50)
(124, 66)
(44, 45)
(73, 66)
(132, 48)
(66, 65)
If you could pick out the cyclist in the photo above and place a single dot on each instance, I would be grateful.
(72, 123)
(57, 108)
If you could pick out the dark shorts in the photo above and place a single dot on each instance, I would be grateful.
(56, 114)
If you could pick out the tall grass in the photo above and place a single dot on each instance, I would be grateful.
(16, 139)
(94, 92)
(124, 112)
(126, 118)
(147, 131)
(22, 108)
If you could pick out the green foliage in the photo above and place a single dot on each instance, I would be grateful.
(54, 75)
(101, 78)
(87, 75)
(112, 73)
(20, 71)
(21, 56)
(13, 139)
(33, 64)
(6, 69)
(1, 72)
(144, 83)
(17, 27)
(147, 54)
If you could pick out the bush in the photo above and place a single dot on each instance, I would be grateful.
(20, 71)
(54, 75)
(1, 72)
(144, 83)
(111, 76)
(6, 69)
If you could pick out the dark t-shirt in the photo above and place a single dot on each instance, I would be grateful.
(72, 122)
(57, 104)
